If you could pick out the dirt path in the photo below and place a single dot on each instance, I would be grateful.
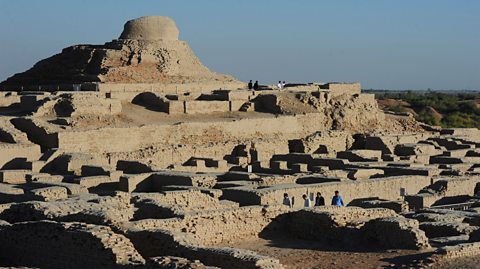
(300, 254)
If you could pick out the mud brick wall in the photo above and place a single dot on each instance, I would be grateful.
(11, 154)
(184, 198)
(460, 186)
(396, 232)
(356, 226)
(162, 155)
(383, 188)
(117, 88)
(176, 204)
(195, 107)
(457, 251)
(230, 226)
(47, 244)
(129, 139)
(158, 242)
(211, 228)
(331, 224)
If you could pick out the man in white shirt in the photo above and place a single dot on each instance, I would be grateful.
(306, 201)
(280, 85)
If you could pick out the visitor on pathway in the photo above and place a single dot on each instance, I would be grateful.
(306, 201)
(252, 154)
(283, 84)
(280, 85)
(250, 85)
(286, 200)
(319, 200)
(337, 199)
(255, 86)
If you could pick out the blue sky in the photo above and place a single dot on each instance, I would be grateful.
(407, 44)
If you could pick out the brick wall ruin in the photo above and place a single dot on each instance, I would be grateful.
(60, 245)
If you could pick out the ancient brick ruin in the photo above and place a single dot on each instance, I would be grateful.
(132, 154)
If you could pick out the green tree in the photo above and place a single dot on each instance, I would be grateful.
(426, 116)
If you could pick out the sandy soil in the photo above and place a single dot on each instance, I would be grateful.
(301, 254)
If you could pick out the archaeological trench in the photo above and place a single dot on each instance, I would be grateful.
(132, 154)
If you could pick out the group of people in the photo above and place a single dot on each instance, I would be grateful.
(319, 200)
(254, 86)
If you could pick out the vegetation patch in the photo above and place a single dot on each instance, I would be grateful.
(446, 109)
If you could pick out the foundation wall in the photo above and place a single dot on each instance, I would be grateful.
(461, 186)
(221, 226)
(383, 188)
(165, 155)
(9, 100)
(166, 88)
(344, 88)
(157, 242)
(47, 244)
(132, 87)
(130, 139)
(202, 107)
(13, 154)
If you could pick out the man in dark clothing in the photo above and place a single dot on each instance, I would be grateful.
(250, 85)
(255, 86)
(319, 200)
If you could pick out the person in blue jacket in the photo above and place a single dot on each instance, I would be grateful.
(337, 199)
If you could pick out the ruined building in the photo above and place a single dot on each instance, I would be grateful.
(134, 154)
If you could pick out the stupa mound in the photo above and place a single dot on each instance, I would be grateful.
(148, 51)
(150, 28)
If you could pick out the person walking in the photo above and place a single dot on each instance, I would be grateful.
(306, 201)
(337, 199)
(255, 86)
(286, 200)
(319, 200)
(250, 85)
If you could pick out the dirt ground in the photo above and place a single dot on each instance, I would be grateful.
(135, 115)
(301, 254)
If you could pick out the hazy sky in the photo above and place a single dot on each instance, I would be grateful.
(407, 44)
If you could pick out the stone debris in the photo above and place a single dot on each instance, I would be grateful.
(169, 262)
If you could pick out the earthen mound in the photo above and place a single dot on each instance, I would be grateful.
(148, 51)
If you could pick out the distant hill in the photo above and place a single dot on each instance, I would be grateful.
(395, 105)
